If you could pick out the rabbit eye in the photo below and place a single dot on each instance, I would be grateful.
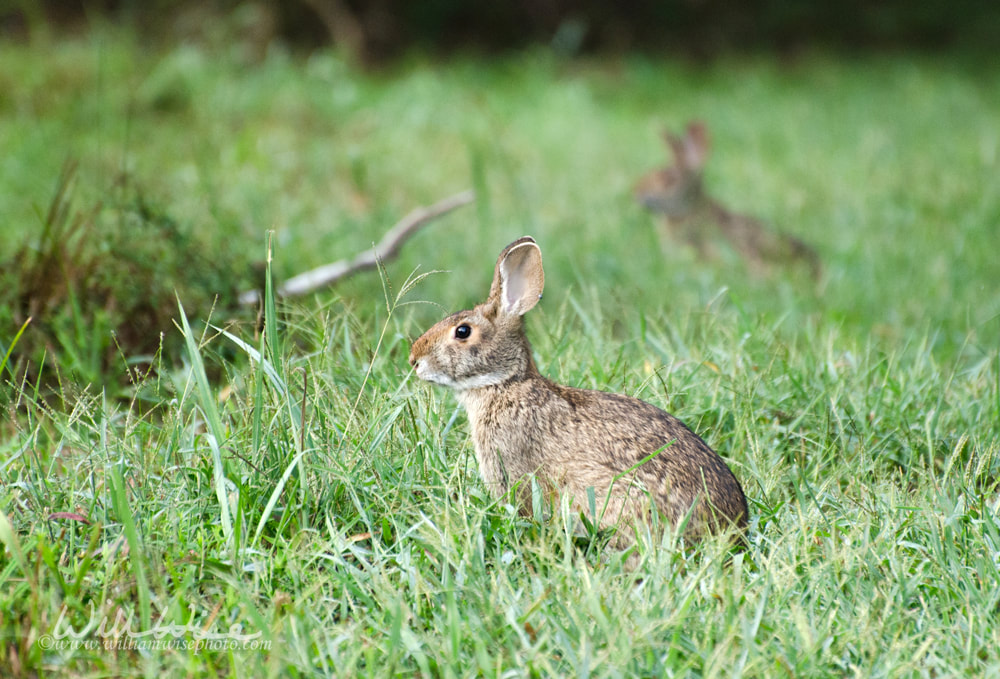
(463, 331)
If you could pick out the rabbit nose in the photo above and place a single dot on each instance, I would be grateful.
(417, 350)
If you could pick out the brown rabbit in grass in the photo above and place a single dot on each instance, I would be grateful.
(612, 455)
(677, 193)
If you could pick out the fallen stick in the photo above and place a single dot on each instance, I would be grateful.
(386, 249)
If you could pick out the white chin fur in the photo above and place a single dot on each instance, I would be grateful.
(478, 381)
(462, 384)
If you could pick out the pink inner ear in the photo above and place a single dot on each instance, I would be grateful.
(513, 289)
(520, 279)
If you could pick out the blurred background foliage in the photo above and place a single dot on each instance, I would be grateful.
(184, 130)
(377, 30)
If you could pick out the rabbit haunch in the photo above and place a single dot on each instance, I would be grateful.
(610, 454)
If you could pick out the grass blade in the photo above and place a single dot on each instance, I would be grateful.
(10, 349)
(137, 557)
(214, 423)
(9, 539)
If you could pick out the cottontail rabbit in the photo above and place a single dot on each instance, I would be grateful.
(613, 455)
(677, 193)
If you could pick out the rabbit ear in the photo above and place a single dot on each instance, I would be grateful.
(676, 145)
(695, 145)
(518, 279)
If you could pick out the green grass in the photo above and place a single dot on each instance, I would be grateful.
(317, 495)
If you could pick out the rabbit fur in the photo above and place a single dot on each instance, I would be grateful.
(677, 193)
(612, 455)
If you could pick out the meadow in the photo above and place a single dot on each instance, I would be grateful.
(287, 499)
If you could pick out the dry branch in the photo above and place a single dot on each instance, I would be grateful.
(384, 250)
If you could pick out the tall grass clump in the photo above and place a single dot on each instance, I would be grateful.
(98, 284)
